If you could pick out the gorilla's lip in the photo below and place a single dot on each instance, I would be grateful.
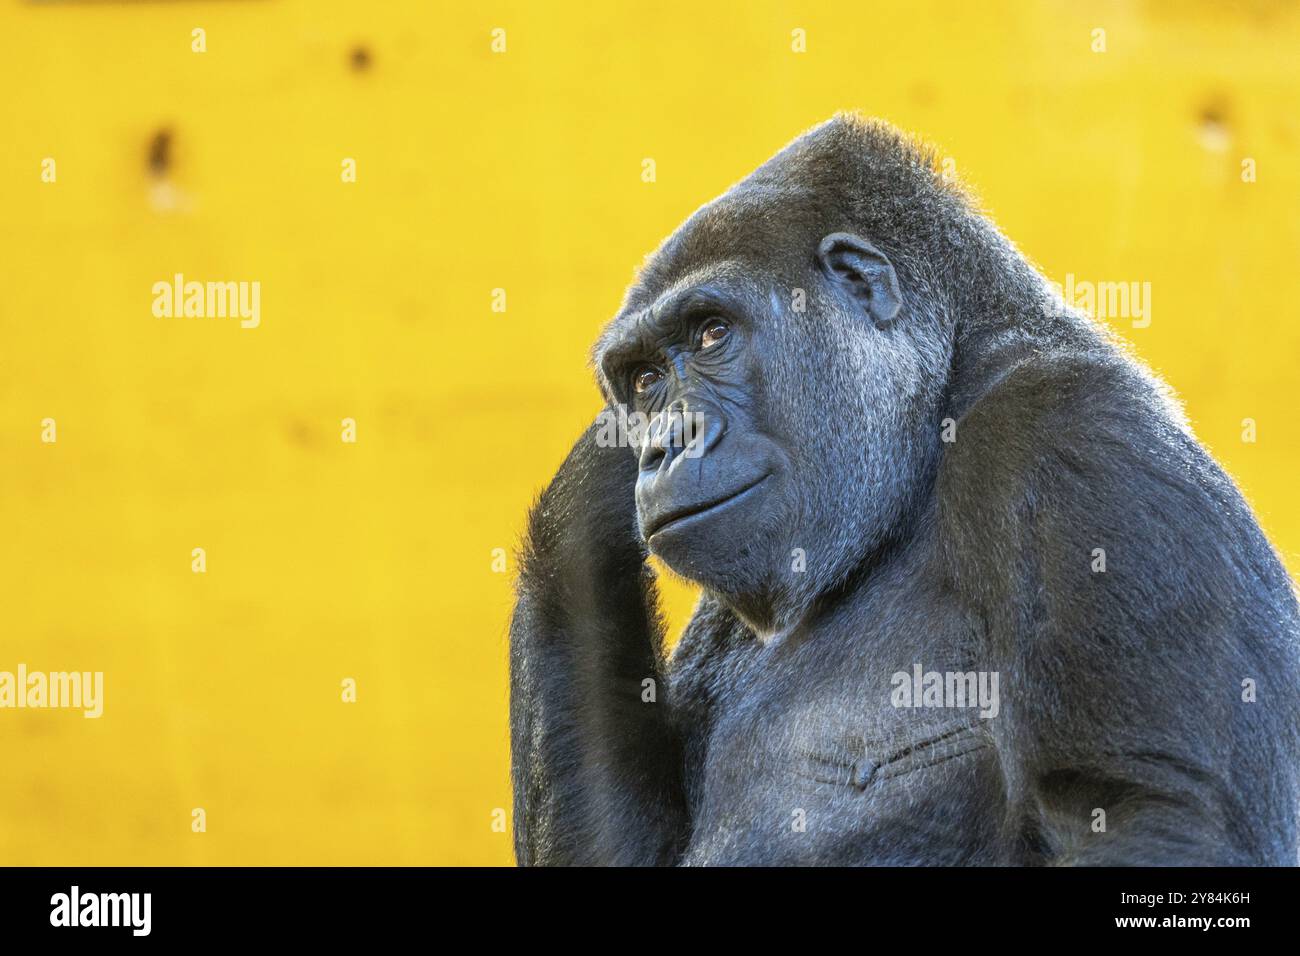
(678, 515)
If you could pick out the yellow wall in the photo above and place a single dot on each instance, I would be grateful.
(475, 171)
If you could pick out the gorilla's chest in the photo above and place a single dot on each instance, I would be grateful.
(817, 755)
(804, 796)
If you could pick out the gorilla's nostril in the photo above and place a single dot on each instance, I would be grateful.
(651, 458)
(700, 435)
(668, 437)
(654, 447)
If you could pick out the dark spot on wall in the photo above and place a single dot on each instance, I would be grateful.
(1022, 98)
(300, 433)
(1212, 125)
(922, 94)
(160, 152)
(360, 58)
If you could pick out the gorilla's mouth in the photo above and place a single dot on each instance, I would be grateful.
(676, 516)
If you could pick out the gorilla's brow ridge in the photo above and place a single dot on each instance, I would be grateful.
(644, 332)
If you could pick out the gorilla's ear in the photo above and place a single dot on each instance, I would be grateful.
(864, 273)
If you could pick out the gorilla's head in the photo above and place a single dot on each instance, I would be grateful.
(803, 323)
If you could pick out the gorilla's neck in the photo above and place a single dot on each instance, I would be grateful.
(779, 612)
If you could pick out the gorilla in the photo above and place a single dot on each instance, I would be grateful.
(972, 592)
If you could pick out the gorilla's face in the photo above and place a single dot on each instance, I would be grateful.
(715, 475)
(776, 398)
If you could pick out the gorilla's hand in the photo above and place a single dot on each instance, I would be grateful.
(583, 529)
(596, 763)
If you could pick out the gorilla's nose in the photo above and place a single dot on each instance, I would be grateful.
(678, 433)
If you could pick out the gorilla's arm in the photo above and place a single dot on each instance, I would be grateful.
(1122, 687)
(596, 769)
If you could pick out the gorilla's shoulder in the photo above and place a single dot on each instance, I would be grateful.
(1070, 454)
(1093, 411)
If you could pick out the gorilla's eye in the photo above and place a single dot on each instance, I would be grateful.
(644, 377)
(714, 332)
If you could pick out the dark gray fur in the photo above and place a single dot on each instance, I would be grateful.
(1120, 690)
